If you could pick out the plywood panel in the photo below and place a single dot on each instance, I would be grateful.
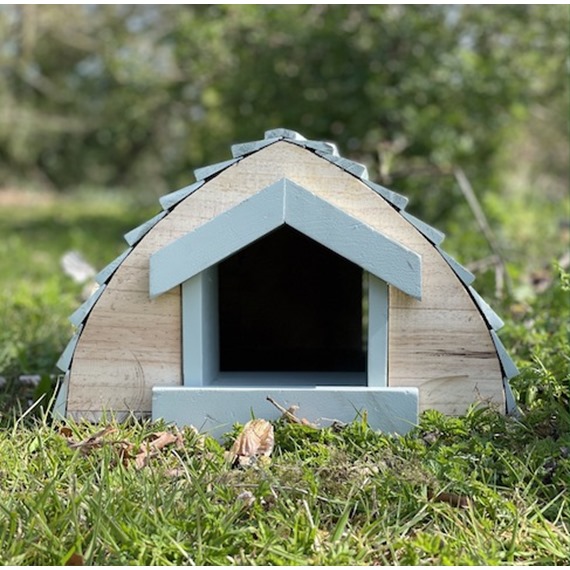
(129, 344)
(440, 344)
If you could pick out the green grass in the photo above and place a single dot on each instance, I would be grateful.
(348, 496)
(36, 297)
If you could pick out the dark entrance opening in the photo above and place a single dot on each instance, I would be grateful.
(289, 304)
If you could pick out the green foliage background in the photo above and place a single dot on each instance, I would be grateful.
(103, 108)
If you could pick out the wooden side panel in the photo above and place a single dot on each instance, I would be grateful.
(129, 344)
(440, 344)
(448, 354)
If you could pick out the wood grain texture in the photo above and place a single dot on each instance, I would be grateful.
(130, 343)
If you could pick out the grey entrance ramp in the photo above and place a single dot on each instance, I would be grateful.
(215, 410)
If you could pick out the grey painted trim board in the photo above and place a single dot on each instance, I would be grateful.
(284, 133)
(200, 337)
(139, 232)
(434, 235)
(104, 275)
(397, 200)
(83, 311)
(510, 369)
(215, 240)
(359, 170)
(463, 273)
(215, 410)
(168, 201)
(493, 320)
(59, 411)
(377, 332)
(323, 147)
(511, 403)
(285, 203)
(209, 171)
(243, 149)
(67, 355)
(353, 240)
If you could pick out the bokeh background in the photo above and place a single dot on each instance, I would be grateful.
(103, 108)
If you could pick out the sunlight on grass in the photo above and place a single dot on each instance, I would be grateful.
(368, 500)
(480, 489)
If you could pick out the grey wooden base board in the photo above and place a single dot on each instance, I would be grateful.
(215, 410)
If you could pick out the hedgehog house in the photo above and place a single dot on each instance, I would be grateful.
(284, 272)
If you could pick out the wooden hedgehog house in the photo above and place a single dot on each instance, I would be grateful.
(284, 272)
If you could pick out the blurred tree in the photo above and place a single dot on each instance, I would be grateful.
(138, 95)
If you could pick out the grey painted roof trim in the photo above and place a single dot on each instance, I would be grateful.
(60, 405)
(285, 134)
(510, 401)
(463, 273)
(243, 149)
(433, 235)
(66, 356)
(105, 274)
(323, 147)
(209, 171)
(82, 313)
(510, 369)
(168, 201)
(355, 168)
(135, 235)
(397, 200)
(285, 202)
(493, 320)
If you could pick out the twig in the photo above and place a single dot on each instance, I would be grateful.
(501, 275)
(289, 415)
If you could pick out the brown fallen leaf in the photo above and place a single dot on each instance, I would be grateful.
(151, 448)
(175, 472)
(125, 451)
(75, 560)
(459, 501)
(256, 440)
(65, 432)
(96, 440)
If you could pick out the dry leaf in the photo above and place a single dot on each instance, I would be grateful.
(247, 498)
(96, 440)
(256, 440)
(65, 432)
(151, 448)
(75, 560)
(124, 450)
(459, 501)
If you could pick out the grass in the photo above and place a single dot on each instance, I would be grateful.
(36, 297)
(481, 489)
(344, 496)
